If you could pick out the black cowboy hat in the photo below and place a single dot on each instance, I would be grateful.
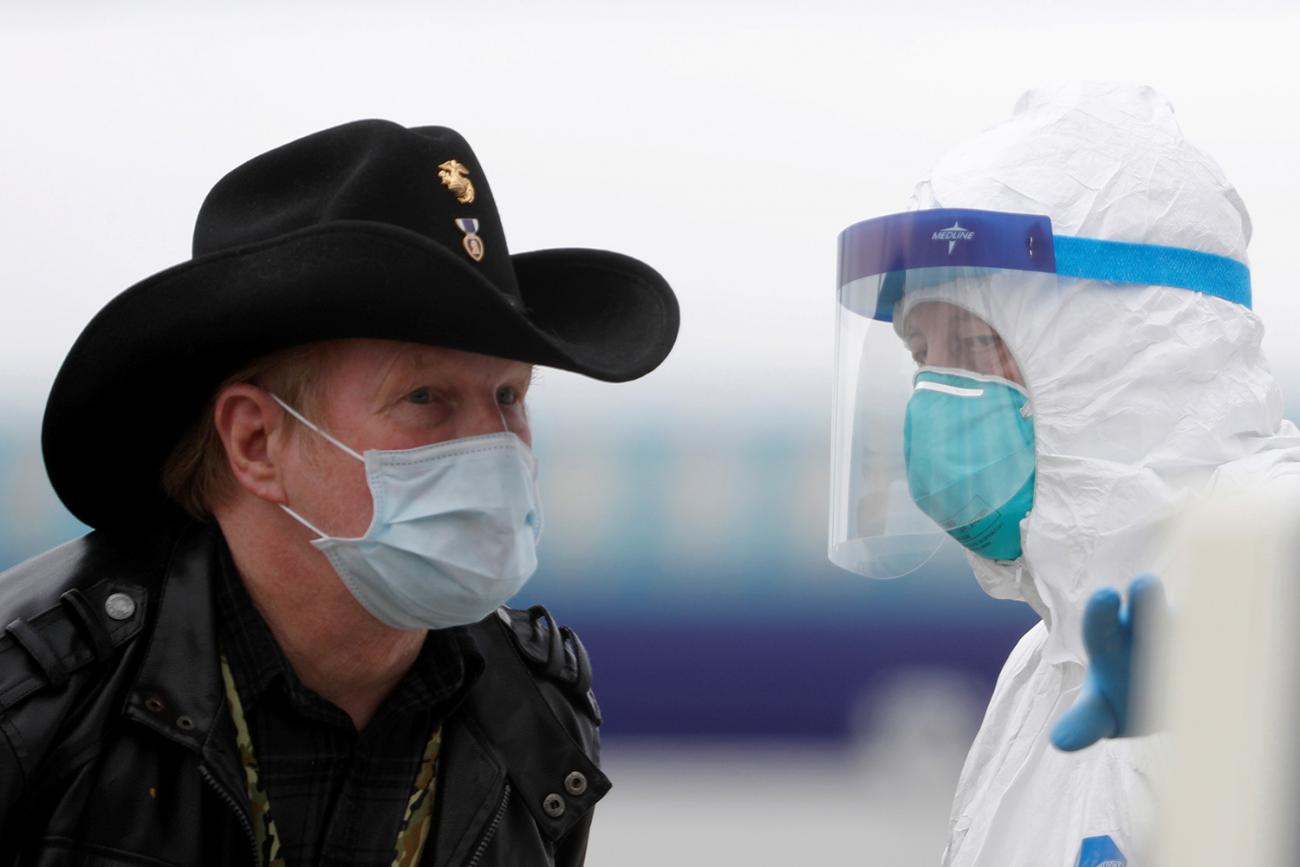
(368, 229)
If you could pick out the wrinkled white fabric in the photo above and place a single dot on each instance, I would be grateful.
(1144, 398)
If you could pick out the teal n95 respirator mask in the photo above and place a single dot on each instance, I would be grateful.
(453, 533)
(968, 446)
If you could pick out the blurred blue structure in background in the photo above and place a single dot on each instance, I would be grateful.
(694, 568)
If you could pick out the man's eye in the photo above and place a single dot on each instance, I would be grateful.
(507, 395)
(420, 396)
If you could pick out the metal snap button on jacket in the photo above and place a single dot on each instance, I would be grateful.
(575, 783)
(154, 704)
(553, 804)
(119, 606)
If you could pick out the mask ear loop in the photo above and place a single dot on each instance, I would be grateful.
(534, 518)
(300, 417)
(505, 425)
(523, 409)
(301, 520)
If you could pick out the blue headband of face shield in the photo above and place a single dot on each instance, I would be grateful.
(960, 238)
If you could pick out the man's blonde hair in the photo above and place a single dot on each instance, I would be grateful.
(196, 474)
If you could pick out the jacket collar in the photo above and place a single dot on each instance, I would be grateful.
(534, 731)
(509, 744)
(177, 691)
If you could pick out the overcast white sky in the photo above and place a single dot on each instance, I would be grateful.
(725, 143)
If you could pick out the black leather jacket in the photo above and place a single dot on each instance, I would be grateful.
(116, 746)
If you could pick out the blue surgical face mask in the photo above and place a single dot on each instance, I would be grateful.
(453, 535)
(968, 443)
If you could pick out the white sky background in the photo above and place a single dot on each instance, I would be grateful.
(725, 143)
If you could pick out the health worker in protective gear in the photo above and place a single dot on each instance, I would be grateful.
(1046, 360)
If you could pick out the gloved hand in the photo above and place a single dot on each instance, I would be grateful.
(1109, 633)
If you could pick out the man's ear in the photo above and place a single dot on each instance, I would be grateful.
(252, 427)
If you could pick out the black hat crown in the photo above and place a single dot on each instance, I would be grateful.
(425, 180)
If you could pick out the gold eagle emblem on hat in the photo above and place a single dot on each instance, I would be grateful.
(454, 176)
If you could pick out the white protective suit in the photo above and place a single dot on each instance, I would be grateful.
(1143, 399)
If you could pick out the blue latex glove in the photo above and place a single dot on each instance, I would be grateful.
(1109, 631)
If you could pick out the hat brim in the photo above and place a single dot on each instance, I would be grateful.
(146, 365)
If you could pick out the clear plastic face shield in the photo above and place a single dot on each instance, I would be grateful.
(932, 420)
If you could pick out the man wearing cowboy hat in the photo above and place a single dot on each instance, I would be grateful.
(306, 456)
